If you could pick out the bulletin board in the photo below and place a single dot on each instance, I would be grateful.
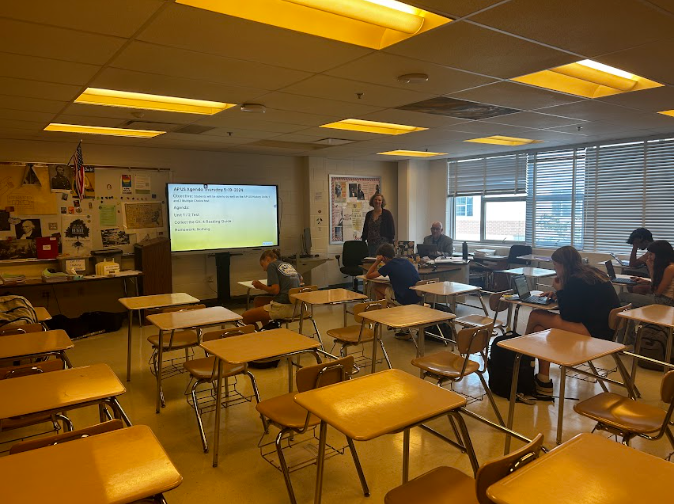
(349, 203)
(120, 207)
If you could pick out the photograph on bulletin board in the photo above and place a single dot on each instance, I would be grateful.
(349, 203)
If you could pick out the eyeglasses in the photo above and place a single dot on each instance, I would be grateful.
(436, 229)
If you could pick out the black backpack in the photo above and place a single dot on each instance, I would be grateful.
(500, 367)
(653, 345)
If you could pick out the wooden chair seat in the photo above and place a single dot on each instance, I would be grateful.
(283, 410)
(622, 413)
(477, 320)
(24, 421)
(442, 485)
(202, 369)
(181, 339)
(350, 334)
(445, 363)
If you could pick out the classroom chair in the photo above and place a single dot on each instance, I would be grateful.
(447, 484)
(12, 329)
(359, 333)
(205, 370)
(297, 311)
(291, 418)
(496, 304)
(353, 253)
(629, 418)
(445, 366)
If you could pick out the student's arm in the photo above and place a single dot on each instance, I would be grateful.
(667, 278)
(273, 285)
(571, 300)
(363, 236)
(636, 262)
(373, 272)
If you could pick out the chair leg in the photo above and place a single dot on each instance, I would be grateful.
(67, 423)
(253, 383)
(455, 429)
(359, 469)
(669, 435)
(284, 466)
(594, 370)
(193, 393)
(490, 396)
(119, 411)
(383, 349)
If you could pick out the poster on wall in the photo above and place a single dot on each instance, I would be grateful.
(76, 235)
(349, 203)
(143, 215)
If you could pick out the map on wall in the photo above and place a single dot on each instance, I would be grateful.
(349, 203)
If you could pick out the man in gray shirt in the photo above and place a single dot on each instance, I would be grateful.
(443, 242)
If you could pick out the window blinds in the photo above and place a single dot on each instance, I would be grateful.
(488, 175)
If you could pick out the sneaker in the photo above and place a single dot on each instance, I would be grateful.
(543, 388)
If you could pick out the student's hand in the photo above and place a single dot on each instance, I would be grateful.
(556, 284)
(258, 285)
(641, 280)
(550, 295)
(380, 258)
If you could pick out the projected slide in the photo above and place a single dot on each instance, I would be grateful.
(212, 217)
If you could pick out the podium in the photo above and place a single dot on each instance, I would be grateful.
(153, 258)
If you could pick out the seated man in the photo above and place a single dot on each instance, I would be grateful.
(441, 241)
(402, 275)
(640, 239)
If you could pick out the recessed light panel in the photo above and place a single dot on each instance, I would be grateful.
(379, 128)
(128, 99)
(412, 153)
(504, 140)
(369, 23)
(100, 130)
(588, 79)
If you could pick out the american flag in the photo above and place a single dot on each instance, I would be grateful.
(78, 166)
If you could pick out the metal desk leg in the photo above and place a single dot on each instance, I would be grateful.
(637, 347)
(248, 299)
(320, 463)
(560, 406)
(467, 443)
(290, 373)
(484, 308)
(627, 379)
(302, 312)
(128, 350)
(64, 358)
(406, 455)
(344, 305)
(513, 399)
(422, 342)
(216, 429)
(375, 342)
(160, 357)
(668, 350)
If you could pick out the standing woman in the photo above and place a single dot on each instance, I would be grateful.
(660, 263)
(378, 227)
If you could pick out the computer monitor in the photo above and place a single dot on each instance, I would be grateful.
(306, 241)
(428, 250)
(610, 270)
(521, 286)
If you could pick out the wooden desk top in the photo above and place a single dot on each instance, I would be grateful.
(532, 257)
(259, 345)
(58, 390)
(407, 316)
(42, 314)
(529, 271)
(588, 469)
(157, 301)
(193, 318)
(378, 404)
(35, 343)
(115, 467)
(652, 314)
(516, 301)
(561, 347)
(329, 296)
(445, 288)
(33, 281)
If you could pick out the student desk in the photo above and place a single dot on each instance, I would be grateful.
(116, 467)
(248, 284)
(175, 321)
(36, 344)
(382, 403)
(515, 301)
(250, 347)
(567, 350)
(140, 303)
(61, 391)
(412, 316)
(446, 270)
(588, 469)
(449, 290)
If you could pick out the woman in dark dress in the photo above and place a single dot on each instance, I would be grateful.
(378, 227)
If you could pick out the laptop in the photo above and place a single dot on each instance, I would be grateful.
(614, 279)
(620, 261)
(428, 250)
(522, 290)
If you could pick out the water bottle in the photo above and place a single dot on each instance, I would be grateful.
(464, 251)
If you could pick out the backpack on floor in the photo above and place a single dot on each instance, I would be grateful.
(16, 310)
(653, 345)
(500, 367)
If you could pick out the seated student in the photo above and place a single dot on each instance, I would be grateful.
(585, 297)
(442, 242)
(401, 272)
(281, 277)
(660, 288)
(640, 239)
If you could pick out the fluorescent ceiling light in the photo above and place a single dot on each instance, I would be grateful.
(411, 153)
(504, 140)
(588, 79)
(667, 112)
(100, 130)
(128, 99)
(380, 128)
(370, 23)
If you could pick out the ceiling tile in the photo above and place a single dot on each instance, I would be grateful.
(23, 115)
(151, 58)
(590, 111)
(37, 89)
(649, 100)
(22, 125)
(347, 135)
(667, 5)
(519, 96)
(608, 128)
(455, 8)
(107, 122)
(333, 88)
(586, 28)
(413, 118)
(384, 69)
(647, 60)
(234, 118)
(534, 120)
(476, 49)
(30, 104)
(480, 128)
(208, 32)
(237, 133)
(117, 113)
(309, 104)
(56, 43)
(112, 17)
(43, 69)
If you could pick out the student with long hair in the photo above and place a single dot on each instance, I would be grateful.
(585, 297)
(660, 263)
(281, 277)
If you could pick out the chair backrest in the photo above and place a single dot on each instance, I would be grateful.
(518, 250)
(368, 306)
(499, 468)
(496, 302)
(667, 387)
(226, 333)
(64, 437)
(327, 373)
(615, 322)
(171, 309)
(353, 252)
(299, 290)
(31, 369)
(11, 329)
(473, 340)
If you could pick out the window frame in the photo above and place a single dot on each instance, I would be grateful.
(484, 199)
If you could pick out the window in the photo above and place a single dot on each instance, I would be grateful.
(505, 219)
(467, 225)
(464, 206)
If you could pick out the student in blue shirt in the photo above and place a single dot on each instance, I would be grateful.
(401, 272)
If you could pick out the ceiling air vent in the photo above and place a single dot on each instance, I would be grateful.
(461, 109)
(194, 129)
